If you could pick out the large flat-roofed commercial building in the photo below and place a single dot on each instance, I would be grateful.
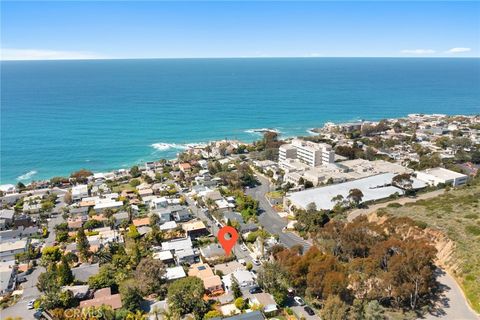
(439, 175)
(311, 153)
(373, 188)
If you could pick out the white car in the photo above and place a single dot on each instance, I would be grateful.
(299, 301)
(30, 304)
(256, 262)
(243, 247)
(242, 261)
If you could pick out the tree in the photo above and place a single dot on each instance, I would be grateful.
(48, 281)
(274, 279)
(213, 314)
(92, 224)
(355, 196)
(237, 293)
(150, 275)
(83, 246)
(135, 172)
(133, 232)
(104, 278)
(65, 275)
(68, 198)
(374, 311)
(403, 181)
(334, 309)
(186, 295)
(131, 296)
(51, 255)
(249, 266)
(21, 186)
(135, 182)
(47, 206)
(81, 176)
(240, 303)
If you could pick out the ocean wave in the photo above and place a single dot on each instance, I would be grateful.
(163, 146)
(27, 175)
(261, 131)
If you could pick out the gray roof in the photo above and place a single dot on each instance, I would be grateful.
(373, 188)
(20, 232)
(233, 216)
(7, 214)
(255, 315)
(212, 250)
(121, 215)
(85, 271)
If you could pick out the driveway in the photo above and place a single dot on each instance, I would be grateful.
(269, 218)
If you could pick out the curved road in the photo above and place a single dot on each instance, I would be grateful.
(270, 219)
(451, 305)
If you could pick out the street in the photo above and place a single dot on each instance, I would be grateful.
(30, 291)
(270, 220)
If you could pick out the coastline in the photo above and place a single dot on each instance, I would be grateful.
(162, 150)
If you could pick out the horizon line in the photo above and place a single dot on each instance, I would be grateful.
(252, 57)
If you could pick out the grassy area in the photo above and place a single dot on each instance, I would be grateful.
(457, 214)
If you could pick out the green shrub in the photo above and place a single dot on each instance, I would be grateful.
(421, 224)
(394, 205)
(473, 230)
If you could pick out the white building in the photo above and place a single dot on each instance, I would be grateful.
(9, 249)
(439, 175)
(311, 153)
(80, 191)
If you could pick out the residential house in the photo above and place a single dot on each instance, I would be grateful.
(244, 278)
(8, 249)
(266, 300)
(212, 252)
(211, 282)
(6, 215)
(174, 273)
(7, 276)
(79, 191)
(85, 271)
(195, 229)
(103, 297)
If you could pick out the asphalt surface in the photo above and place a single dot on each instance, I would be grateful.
(270, 220)
(452, 303)
(30, 291)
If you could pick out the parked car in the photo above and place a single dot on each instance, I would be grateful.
(242, 261)
(30, 304)
(255, 289)
(299, 301)
(309, 310)
(256, 262)
(243, 247)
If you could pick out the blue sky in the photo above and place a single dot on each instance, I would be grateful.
(109, 29)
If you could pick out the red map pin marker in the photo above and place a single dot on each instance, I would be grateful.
(227, 244)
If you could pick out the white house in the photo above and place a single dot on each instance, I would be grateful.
(79, 191)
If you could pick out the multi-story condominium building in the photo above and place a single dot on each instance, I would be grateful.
(310, 153)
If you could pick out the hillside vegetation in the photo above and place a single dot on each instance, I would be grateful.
(456, 214)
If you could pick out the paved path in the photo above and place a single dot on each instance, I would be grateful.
(358, 212)
(452, 303)
(270, 219)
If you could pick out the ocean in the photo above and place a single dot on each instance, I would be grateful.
(60, 116)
